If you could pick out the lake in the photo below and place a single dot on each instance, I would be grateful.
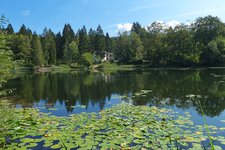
(63, 94)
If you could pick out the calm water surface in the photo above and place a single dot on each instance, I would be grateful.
(77, 92)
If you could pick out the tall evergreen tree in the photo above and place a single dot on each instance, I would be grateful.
(37, 53)
(83, 40)
(92, 43)
(136, 27)
(100, 40)
(49, 48)
(65, 52)
(59, 46)
(68, 36)
(25, 31)
(68, 33)
(9, 29)
(108, 43)
(22, 30)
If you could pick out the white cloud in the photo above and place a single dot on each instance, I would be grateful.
(165, 25)
(172, 23)
(124, 27)
(25, 12)
(168, 24)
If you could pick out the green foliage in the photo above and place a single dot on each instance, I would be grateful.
(136, 48)
(37, 55)
(205, 30)
(6, 62)
(5, 55)
(216, 51)
(87, 59)
(73, 52)
(83, 40)
(9, 29)
(121, 127)
(129, 48)
(100, 44)
(185, 45)
(21, 47)
(7, 122)
(180, 47)
(48, 45)
(68, 33)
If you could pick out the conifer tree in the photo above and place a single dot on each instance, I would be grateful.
(9, 29)
(83, 40)
(37, 52)
(100, 40)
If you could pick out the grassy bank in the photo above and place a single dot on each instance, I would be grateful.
(120, 127)
(106, 67)
(113, 66)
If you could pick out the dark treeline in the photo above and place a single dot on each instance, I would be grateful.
(201, 43)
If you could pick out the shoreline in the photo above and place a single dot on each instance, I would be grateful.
(101, 67)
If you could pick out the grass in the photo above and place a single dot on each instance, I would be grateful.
(206, 127)
(61, 67)
(113, 66)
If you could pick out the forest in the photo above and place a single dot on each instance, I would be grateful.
(202, 43)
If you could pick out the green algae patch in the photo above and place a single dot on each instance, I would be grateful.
(121, 127)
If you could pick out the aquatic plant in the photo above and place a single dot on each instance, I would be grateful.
(121, 127)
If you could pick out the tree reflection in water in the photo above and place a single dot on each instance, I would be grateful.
(169, 88)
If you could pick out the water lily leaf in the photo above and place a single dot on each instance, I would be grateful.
(32, 145)
(56, 146)
(198, 132)
(216, 147)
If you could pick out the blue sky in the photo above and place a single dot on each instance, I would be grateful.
(113, 15)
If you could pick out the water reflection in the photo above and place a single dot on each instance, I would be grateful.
(169, 88)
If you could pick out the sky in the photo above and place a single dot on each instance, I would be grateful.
(112, 15)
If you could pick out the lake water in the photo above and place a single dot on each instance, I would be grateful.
(75, 92)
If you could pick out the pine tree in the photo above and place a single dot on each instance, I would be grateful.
(25, 31)
(49, 47)
(65, 51)
(59, 46)
(9, 29)
(108, 43)
(136, 27)
(92, 43)
(83, 40)
(37, 53)
(100, 40)
(68, 33)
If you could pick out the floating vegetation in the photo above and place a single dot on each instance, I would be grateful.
(121, 127)
(52, 109)
(193, 96)
(142, 93)
(79, 106)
